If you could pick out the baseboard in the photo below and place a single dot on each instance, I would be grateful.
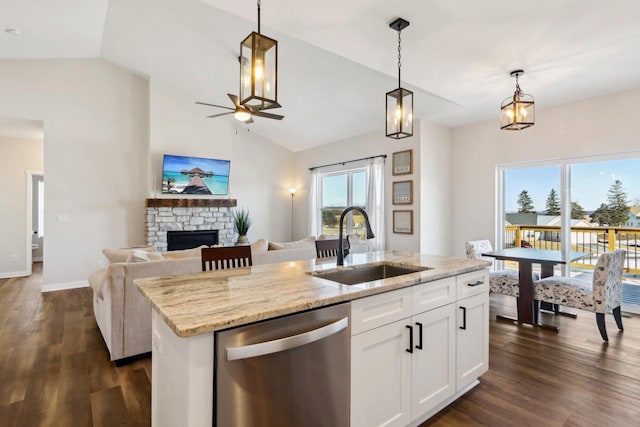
(37, 259)
(14, 274)
(64, 285)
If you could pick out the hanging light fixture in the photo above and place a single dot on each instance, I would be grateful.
(259, 70)
(517, 112)
(399, 122)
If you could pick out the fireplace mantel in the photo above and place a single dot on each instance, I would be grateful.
(191, 203)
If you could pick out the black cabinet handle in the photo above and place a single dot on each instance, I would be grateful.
(419, 346)
(479, 282)
(464, 318)
(410, 349)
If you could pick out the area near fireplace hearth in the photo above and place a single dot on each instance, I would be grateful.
(195, 215)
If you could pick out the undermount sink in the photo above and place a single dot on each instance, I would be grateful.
(367, 273)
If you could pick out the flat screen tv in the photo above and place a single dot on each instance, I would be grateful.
(195, 175)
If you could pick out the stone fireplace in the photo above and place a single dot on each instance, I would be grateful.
(188, 215)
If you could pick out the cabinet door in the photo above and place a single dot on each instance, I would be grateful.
(380, 376)
(472, 339)
(433, 371)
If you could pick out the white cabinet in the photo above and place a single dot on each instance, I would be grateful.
(406, 364)
(381, 377)
(473, 327)
(433, 366)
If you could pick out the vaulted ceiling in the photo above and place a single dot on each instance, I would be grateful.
(338, 58)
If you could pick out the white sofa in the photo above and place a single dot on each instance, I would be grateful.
(122, 313)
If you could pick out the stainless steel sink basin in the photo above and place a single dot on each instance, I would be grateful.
(367, 273)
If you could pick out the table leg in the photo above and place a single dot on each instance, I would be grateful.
(525, 302)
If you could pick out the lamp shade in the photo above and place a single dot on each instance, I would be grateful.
(258, 71)
(399, 122)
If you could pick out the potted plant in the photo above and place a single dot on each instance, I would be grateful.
(242, 222)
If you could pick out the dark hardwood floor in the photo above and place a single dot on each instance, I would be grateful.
(55, 369)
(54, 365)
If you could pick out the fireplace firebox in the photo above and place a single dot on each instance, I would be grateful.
(177, 240)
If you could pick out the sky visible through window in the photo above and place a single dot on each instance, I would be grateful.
(590, 183)
(334, 190)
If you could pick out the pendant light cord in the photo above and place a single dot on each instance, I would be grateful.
(258, 16)
(399, 57)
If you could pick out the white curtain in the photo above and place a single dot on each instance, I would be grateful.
(314, 210)
(375, 202)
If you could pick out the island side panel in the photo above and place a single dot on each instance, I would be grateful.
(181, 378)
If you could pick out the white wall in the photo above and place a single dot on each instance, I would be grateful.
(435, 184)
(370, 144)
(95, 118)
(260, 170)
(18, 156)
(596, 126)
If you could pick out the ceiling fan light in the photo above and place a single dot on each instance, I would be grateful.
(242, 115)
(517, 112)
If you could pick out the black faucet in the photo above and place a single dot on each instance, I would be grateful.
(370, 235)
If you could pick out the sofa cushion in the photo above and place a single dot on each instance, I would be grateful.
(185, 253)
(121, 255)
(139, 255)
(97, 280)
(311, 240)
(261, 245)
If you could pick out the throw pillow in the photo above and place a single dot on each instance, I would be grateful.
(185, 253)
(138, 255)
(261, 245)
(121, 255)
(311, 240)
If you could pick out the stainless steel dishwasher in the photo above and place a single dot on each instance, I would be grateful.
(286, 372)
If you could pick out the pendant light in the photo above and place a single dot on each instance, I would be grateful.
(259, 70)
(399, 102)
(517, 112)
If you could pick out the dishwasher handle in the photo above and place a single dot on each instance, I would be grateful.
(284, 344)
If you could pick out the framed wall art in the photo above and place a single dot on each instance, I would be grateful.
(402, 193)
(403, 222)
(402, 162)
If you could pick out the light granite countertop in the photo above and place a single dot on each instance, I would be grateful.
(210, 301)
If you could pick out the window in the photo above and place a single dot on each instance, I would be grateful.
(588, 204)
(336, 187)
(339, 191)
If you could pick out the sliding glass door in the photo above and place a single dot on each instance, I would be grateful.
(588, 205)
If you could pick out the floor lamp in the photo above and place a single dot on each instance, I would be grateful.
(292, 191)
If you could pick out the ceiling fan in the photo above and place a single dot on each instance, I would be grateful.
(244, 113)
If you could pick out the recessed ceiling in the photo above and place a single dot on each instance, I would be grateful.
(338, 58)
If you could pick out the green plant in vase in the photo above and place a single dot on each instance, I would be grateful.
(242, 222)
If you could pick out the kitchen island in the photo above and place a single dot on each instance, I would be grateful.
(188, 310)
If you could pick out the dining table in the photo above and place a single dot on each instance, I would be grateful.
(526, 257)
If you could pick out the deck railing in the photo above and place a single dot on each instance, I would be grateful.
(594, 240)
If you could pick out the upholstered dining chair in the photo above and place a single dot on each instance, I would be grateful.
(504, 282)
(329, 247)
(219, 258)
(602, 295)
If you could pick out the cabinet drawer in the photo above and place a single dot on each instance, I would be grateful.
(377, 310)
(473, 283)
(434, 294)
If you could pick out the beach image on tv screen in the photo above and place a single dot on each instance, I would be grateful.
(195, 175)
